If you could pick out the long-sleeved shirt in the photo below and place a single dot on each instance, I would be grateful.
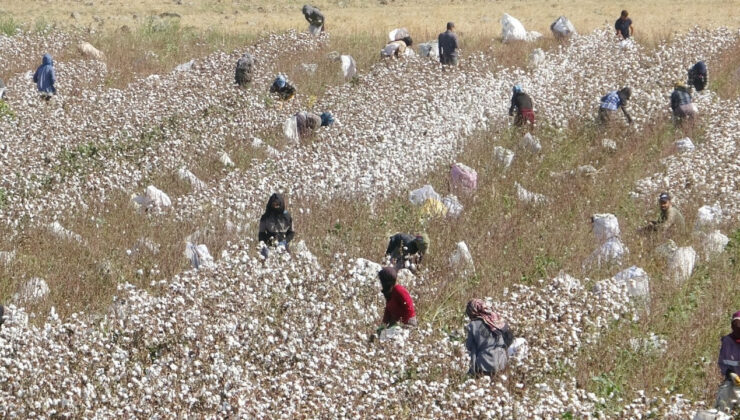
(448, 44)
(487, 349)
(520, 101)
(729, 356)
(307, 122)
(400, 306)
(277, 227)
(400, 241)
(670, 220)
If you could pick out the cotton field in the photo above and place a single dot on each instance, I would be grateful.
(285, 337)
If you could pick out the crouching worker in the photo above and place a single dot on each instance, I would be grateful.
(45, 77)
(308, 122)
(399, 307)
(613, 102)
(489, 337)
(396, 48)
(698, 76)
(670, 219)
(315, 19)
(276, 225)
(407, 251)
(285, 91)
(681, 105)
(728, 395)
(244, 69)
(522, 103)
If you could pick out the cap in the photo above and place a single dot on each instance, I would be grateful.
(664, 197)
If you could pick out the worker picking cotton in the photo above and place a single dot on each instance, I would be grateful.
(284, 90)
(613, 102)
(670, 220)
(396, 48)
(45, 78)
(407, 251)
(728, 394)
(399, 307)
(315, 19)
(684, 110)
(244, 70)
(489, 337)
(449, 46)
(308, 122)
(698, 76)
(276, 225)
(522, 104)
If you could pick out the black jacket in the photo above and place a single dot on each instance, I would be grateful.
(276, 225)
(398, 242)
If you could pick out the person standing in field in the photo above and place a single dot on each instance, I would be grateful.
(698, 76)
(45, 78)
(623, 26)
(448, 46)
(729, 367)
(315, 19)
(522, 104)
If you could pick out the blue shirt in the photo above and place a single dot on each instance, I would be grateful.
(623, 26)
(611, 101)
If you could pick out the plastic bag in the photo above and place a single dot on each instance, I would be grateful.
(419, 196)
(290, 129)
(463, 178)
(636, 281)
(681, 264)
(708, 217)
(454, 208)
(503, 156)
(461, 261)
(562, 27)
(198, 255)
(397, 34)
(605, 226)
(512, 29)
(349, 67)
(429, 49)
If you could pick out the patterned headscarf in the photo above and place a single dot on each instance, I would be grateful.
(477, 309)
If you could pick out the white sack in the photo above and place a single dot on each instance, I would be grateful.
(605, 226)
(512, 29)
(419, 196)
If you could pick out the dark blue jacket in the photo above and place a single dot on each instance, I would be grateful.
(45, 77)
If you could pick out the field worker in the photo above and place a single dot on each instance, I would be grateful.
(276, 225)
(244, 68)
(698, 76)
(315, 19)
(399, 307)
(670, 219)
(681, 105)
(396, 48)
(612, 102)
(284, 90)
(489, 337)
(45, 77)
(308, 122)
(404, 249)
(728, 395)
(522, 103)
(448, 46)
(623, 26)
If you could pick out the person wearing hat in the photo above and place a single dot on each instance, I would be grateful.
(308, 122)
(407, 251)
(448, 45)
(698, 76)
(611, 103)
(670, 219)
(399, 307)
(728, 394)
(284, 90)
(623, 25)
(681, 105)
(522, 103)
(489, 337)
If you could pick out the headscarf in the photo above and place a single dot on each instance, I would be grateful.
(735, 330)
(273, 198)
(280, 81)
(477, 309)
(327, 119)
(388, 277)
(626, 92)
(422, 243)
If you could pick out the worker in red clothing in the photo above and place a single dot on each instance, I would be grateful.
(398, 303)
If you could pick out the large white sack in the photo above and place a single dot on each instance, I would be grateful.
(708, 217)
(681, 264)
(61, 232)
(365, 271)
(429, 49)
(530, 143)
(349, 67)
(605, 226)
(190, 177)
(503, 156)
(518, 348)
(454, 208)
(524, 195)
(158, 197)
(290, 129)
(636, 280)
(397, 34)
(198, 255)
(89, 51)
(461, 261)
(562, 27)
(611, 252)
(512, 29)
(419, 196)
(712, 244)
(684, 145)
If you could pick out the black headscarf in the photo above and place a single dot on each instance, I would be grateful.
(273, 198)
(388, 277)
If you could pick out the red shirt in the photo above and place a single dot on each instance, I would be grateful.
(399, 306)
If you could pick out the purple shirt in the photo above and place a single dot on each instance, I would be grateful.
(729, 356)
